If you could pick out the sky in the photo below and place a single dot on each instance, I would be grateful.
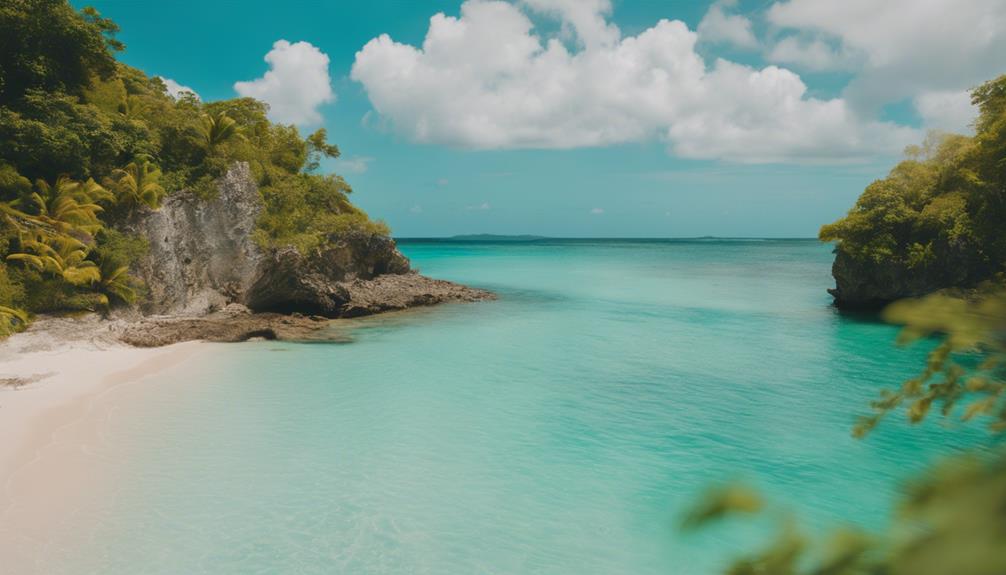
(589, 118)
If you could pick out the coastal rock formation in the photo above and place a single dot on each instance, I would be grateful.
(232, 324)
(391, 292)
(865, 284)
(289, 281)
(203, 256)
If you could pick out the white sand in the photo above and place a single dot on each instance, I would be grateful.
(47, 426)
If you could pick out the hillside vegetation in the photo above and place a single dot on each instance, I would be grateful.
(937, 220)
(88, 143)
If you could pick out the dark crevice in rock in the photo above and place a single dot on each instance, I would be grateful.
(259, 334)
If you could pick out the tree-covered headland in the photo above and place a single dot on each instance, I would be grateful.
(938, 220)
(88, 143)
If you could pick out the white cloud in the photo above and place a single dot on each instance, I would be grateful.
(484, 206)
(596, 211)
(905, 47)
(585, 17)
(175, 89)
(947, 111)
(717, 26)
(809, 54)
(416, 209)
(353, 164)
(486, 80)
(296, 84)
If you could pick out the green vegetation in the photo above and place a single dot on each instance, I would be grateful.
(940, 213)
(87, 144)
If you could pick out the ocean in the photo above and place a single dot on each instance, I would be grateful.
(562, 429)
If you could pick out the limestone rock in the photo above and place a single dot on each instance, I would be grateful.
(203, 256)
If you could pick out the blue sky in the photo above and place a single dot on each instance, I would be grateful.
(587, 117)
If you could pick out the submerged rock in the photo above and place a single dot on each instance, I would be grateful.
(203, 256)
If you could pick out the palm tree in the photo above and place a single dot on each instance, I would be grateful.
(12, 320)
(20, 222)
(62, 256)
(69, 204)
(115, 282)
(137, 184)
(217, 129)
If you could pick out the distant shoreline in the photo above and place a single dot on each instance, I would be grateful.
(492, 238)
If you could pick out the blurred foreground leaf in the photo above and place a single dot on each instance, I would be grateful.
(951, 520)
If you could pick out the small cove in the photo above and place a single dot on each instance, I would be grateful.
(560, 429)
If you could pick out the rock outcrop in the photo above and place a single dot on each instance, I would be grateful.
(316, 283)
(203, 257)
(202, 254)
(234, 323)
(864, 284)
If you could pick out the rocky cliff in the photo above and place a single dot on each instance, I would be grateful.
(865, 284)
(203, 256)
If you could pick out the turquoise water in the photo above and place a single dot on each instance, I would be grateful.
(560, 429)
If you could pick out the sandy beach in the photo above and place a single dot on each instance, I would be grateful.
(51, 414)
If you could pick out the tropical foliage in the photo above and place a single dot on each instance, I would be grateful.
(87, 144)
(137, 184)
(969, 328)
(941, 211)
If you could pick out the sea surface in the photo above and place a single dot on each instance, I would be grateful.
(562, 429)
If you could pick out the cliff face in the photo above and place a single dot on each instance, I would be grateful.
(203, 257)
(870, 285)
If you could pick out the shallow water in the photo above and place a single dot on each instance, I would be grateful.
(561, 429)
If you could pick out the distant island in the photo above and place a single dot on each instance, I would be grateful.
(495, 238)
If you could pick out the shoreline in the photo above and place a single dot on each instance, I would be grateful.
(58, 393)
(50, 422)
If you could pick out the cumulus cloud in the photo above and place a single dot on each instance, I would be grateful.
(175, 89)
(717, 26)
(586, 18)
(905, 47)
(296, 84)
(486, 80)
(353, 164)
(596, 211)
(483, 207)
(809, 54)
(947, 111)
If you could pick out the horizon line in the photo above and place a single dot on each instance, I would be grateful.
(532, 237)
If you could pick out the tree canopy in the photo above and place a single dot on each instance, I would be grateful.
(941, 210)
